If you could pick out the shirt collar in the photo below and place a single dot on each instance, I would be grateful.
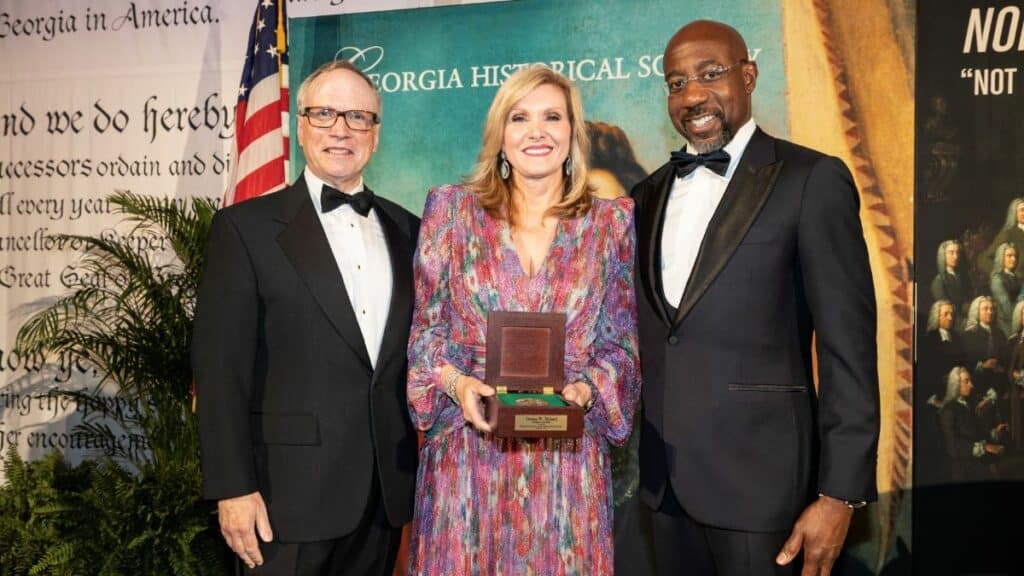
(316, 185)
(944, 334)
(736, 146)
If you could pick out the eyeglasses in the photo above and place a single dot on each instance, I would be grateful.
(677, 84)
(359, 120)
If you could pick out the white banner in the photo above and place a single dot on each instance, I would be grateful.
(97, 96)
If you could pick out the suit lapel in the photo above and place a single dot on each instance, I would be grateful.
(748, 190)
(305, 245)
(396, 329)
(652, 220)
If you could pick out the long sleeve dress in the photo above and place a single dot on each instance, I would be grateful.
(490, 506)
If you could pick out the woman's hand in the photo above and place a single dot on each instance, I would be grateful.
(578, 393)
(469, 391)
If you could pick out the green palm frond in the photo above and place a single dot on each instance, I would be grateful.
(137, 508)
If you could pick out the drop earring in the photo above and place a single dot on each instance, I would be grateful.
(503, 168)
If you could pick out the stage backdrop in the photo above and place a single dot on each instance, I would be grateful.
(97, 96)
(101, 95)
(439, 68)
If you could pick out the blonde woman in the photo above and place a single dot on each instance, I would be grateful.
(522, 233)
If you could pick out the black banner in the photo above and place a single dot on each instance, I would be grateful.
(969, 243)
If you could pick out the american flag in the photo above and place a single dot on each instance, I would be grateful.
(260, 152)
(261, 116)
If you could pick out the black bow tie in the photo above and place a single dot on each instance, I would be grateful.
(361, 202)
(685, 163)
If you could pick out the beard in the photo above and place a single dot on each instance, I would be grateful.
(716, 143)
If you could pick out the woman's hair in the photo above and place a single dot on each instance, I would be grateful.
(493, 193)
(997, 259)
(953, 384)
(610, 150)
(940, 256)
(933, 314)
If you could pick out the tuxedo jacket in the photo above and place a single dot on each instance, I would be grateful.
(288, 402)
(731, 417)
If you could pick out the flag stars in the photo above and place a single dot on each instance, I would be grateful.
(267, 4)
(260, 24)
(271, 51)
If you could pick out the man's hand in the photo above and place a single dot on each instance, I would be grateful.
(820, 531)
(237, 518)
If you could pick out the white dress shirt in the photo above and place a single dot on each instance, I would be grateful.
(691, 204)
(361, 251)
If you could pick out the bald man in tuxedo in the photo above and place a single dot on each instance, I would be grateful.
(747, 246)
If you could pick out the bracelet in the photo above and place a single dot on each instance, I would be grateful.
(593, 395)
(851, 504)
(448, 381)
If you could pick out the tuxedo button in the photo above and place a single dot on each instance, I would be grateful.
(673, 340)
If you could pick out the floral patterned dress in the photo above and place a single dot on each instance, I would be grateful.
(489, 506)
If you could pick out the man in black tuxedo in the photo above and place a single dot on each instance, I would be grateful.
(300, 353)
(747, 246)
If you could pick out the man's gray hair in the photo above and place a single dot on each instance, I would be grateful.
(997, 258)
(300, 96)
(1011, 213)
(953, 384)
(972, 313)
(940, 256)
(933, 314)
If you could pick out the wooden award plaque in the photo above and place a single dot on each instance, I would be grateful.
(526, 365)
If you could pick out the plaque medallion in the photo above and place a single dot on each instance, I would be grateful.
(526, 367)
(530, 402)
